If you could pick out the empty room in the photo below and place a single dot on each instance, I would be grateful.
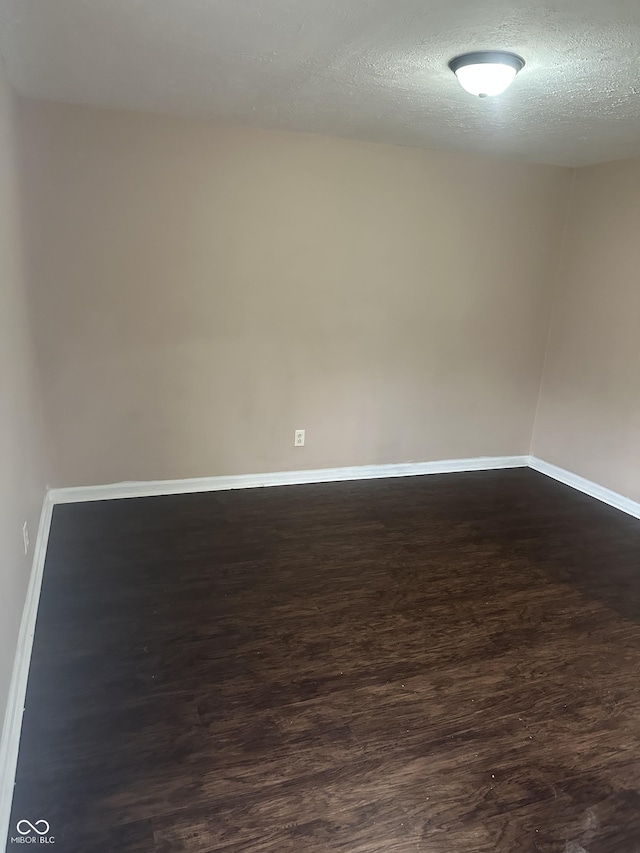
(320, 426)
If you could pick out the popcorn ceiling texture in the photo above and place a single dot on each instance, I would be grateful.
(367, 69)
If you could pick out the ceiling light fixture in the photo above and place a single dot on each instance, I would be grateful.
(486, 72)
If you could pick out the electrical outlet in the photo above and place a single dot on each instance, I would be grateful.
(25, 537)
(299, 438)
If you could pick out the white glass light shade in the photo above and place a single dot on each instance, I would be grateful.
(486, 74)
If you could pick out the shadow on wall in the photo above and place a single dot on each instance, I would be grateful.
(22, 476)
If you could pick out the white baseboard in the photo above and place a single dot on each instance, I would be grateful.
(587, 486)
(282, 478)
(10, 742)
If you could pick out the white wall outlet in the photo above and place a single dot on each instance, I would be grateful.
(25, 537)
(299, 438)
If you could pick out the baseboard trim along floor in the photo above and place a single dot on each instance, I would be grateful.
(590, 488)
(9, 744)
(283, 478)
(12, 727)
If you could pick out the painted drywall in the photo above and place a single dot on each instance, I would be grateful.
(21, 467)
(201, 292)
(589, 415)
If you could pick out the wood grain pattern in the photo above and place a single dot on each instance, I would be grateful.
(442, 664)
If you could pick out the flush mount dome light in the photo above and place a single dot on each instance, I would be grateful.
(486, 72)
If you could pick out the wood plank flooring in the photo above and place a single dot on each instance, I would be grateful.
(447, 664)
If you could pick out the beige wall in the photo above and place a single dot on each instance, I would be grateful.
(202, 292)
(589, 414)
(21, 469)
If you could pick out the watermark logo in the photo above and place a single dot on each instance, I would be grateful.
(24, 827)
(33, 833)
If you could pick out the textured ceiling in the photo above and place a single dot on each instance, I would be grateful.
(370, 69)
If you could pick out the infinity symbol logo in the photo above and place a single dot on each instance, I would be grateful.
(31, 827)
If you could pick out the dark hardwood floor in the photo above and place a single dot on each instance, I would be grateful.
(447, 664)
